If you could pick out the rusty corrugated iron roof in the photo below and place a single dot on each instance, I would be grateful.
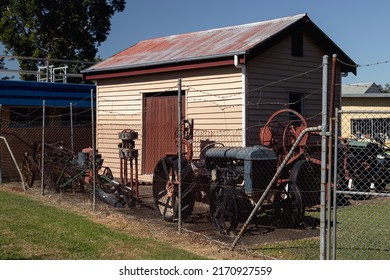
(196, 45)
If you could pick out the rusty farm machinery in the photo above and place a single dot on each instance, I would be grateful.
(64, 171)
(283, 171)
(230, 180)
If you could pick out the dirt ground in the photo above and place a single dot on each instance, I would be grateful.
(198, 234)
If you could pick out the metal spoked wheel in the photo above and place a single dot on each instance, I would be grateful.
(223, 209)
(166, 189)
(288, 206)
(108, 173)
(280, 133)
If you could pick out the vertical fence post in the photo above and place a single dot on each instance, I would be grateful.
(323, 157)
(179, 110)
(43, 147)
(330, 155)
(1, 176)
(335, 178)
(71, 127)
(93, 154)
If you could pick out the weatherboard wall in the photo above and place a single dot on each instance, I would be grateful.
(275, 73)
(213, 98)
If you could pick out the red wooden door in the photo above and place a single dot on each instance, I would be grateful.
(160, 129)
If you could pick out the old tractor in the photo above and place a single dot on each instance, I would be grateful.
(232, 179)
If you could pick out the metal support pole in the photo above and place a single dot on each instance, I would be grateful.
(14, 160)
(323, 157)
(121, 171)
(131, 173)
(330, 156)
(1, 176)
(71, 127)
(125, 171)
(136, 178)
(43, 147)
(47, 69)
(179, 153)
(93, 154)
(335, 175)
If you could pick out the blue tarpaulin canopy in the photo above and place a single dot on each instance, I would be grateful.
(26, 93)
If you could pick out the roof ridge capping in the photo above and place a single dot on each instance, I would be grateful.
(239, 26)
(277, 20)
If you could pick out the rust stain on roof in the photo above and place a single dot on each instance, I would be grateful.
(193, 46)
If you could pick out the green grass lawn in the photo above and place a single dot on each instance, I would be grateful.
(32, 230)
(363, 233)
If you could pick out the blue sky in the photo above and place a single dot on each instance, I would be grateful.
(360, 28)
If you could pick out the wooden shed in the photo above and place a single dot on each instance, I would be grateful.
(233, 79)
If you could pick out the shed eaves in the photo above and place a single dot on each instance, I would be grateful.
(212, 43)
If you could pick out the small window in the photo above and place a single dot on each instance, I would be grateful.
(295, 100)
(375, 128)
(297, 44)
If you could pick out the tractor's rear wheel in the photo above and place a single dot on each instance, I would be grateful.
(223, 209)
(166, 189)
(288, 206)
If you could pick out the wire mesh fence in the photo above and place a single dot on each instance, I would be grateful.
(247, 196)
(27, 134)
(221, 182)
(218, 189)
(363, 195)
(217, 185)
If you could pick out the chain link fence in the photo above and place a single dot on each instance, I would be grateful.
(249, 197)
(264, 197)
(62, 133)
(221, 183)
(362, 198)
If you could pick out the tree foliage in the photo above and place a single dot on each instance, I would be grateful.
(385, 88)
(55, 29)
(2, 66)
